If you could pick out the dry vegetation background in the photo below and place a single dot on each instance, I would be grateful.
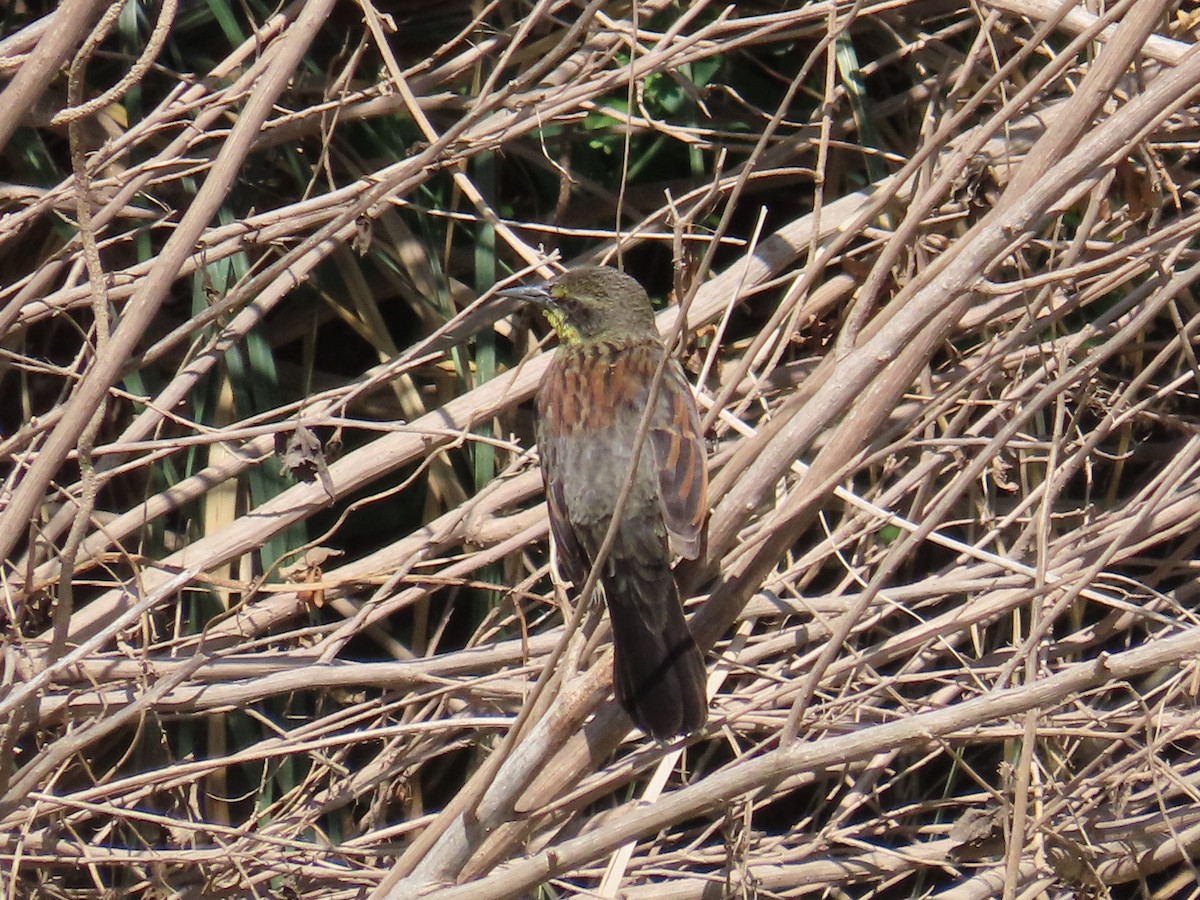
(278, 617)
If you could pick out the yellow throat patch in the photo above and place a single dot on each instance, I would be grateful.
(567, 333)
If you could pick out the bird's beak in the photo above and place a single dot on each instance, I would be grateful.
(514, 299)
(532, 293)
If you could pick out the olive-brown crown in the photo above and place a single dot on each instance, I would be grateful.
(598, 302)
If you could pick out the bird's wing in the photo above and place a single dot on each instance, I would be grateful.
(572, 561)
(678, 447)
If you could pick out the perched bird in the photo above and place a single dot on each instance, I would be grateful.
(590, 406)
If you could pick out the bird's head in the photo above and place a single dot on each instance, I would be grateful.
(592, 303)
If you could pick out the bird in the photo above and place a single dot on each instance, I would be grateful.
(590, 406)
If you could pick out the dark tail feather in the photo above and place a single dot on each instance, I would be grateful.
(658, 669)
